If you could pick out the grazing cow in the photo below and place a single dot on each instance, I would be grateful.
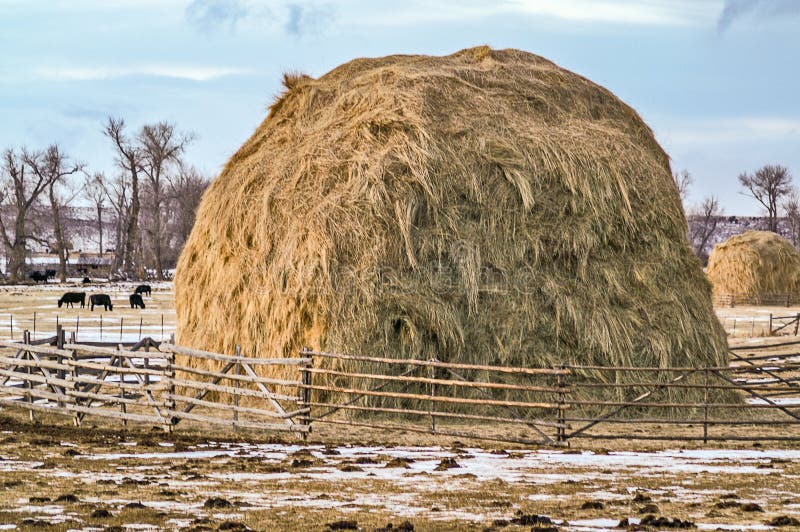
(100, 300)
(70, 298)
(136, 301)
(50, 273)
(142, 289)
(38, 276)
(86, 280)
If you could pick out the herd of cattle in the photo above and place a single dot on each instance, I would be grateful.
(104, 300)
(42, 275)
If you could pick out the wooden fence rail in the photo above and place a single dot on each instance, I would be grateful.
(755, 397)
(144, 383)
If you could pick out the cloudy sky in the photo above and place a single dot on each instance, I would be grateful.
(717, 80)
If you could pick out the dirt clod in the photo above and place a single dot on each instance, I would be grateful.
(342, 525)
(751, 507)
(592, 505)
(665, 522)
(217, 502)
(135, 506)
(784, 520)
(530, 519)
(233, 526)
(447, 463)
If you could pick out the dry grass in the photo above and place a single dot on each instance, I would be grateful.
(486, 207)
(755, 265)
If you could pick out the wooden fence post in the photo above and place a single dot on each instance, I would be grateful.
(432, 388)
(60, 359)
(169, 375)
(26, 338)
(76, 419)
(770, 324)
(236, 371)
(705, 406)
(561, 431)
(305, 392)
(123, 408)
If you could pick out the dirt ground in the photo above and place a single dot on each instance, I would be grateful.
(96, 478)
(103, 476)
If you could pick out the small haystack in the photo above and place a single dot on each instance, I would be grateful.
(483, 207)
(756, 267)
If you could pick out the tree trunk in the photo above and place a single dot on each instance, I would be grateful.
(16, 259)
(157, 237)
(132, 238)
(58, 231)
(100, 226)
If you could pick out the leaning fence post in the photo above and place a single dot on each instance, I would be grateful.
(305, 389)
(76, 419)
(561, 432)
(60, 360)
(123, 408)
(26, 338)
(432, 388)
(237, 371)
(705, 405)
(171, 387)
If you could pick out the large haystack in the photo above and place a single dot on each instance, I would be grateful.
(756, 266)
(486, 206)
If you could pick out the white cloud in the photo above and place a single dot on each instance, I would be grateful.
(650, 12)
(188, 72)
(730, 130)
(637, 12)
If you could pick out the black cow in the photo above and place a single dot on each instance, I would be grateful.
(38, 276)
(142, 289)
(50, 273)
(100, 300)
(86, 280)
(70, 298)
(136, 301)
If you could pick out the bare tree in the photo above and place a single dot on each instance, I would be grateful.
(703, 221)
(768, 185)
(129, 159)
(791, 206)
(19, 191)
(96, 193)
(186, 190)
(161, 147)
(53, 167)
(117, 192)
(683, 180)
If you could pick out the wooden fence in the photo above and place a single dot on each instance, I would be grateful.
(147, 382)
(756, 397)
(767, 300)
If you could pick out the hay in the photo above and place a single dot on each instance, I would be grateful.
(755, 266)
(483, 207)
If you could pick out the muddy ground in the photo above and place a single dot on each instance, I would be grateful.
(96, 478)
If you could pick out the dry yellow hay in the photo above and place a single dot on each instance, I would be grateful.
(756, 266)
(486, 206)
